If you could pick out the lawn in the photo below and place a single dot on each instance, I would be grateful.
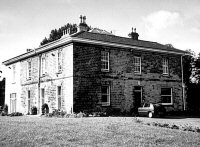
(89, 131)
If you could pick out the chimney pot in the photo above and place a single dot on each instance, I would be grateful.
(134, 35)
(81, 18)
(83, 26)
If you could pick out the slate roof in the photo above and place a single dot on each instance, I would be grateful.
(96, 36)
(124, 41)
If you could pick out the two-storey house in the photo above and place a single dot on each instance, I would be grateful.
(95, 68)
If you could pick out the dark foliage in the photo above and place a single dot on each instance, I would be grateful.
(34, 110)
(5, 109)
(45, 109)
(2, 92)
(15, 114)
(57, 33)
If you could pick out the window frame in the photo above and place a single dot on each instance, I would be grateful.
(105, 61)
(106, 94)
(165, 66)
(137, 65)
(171, 95)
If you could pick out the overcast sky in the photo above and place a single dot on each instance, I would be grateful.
(25, 23)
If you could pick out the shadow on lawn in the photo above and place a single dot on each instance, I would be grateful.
(178, 117)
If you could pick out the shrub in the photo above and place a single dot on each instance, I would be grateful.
(5, 109)
(15, 114)
(174, 127)
(197, 130)
(188, 128)
(45, 109)
(34, 110)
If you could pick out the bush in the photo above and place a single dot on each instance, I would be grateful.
(34, 110)
(45, 109)
(58, 113)
(174, 127)
(5, 109)
(15, 114)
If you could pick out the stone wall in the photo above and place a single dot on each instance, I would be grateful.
(50, 80)
(88, 77)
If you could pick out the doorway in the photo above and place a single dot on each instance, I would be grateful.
(137, 97)
(29, 101)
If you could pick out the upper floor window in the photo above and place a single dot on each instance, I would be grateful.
(166, 96)
(105, 95)
(165, 66)
(29, 70)
(43, 64)
(14, 73)
(59, 61)
(137, 65)
(104, 61)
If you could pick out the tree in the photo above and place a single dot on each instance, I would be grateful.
(191, 67)
(188, 66)
(197, 69)
(169, 45)
(57, 34)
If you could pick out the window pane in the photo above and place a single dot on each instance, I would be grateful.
(104, 98)
(104, 89)
(166, 99)
(59, 90)
(166, 91)
(104, 60)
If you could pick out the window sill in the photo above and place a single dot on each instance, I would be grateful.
(104, 70)
(59, 72)
(165, 74)
(137, 73)
(105, 104)
(28, 79)
(44, 74)
(167, 104)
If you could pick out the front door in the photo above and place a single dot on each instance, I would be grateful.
(137, 97)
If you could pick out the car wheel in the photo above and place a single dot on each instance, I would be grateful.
(150, 114)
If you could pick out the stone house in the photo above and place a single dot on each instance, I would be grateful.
(95, 68)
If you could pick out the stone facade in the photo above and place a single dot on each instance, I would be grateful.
(75, 82)
(88, 77)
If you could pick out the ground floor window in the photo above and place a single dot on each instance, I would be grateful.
(42, 95)
(105, 95)
(13, 102)
(59, 96)
(166, 96)
(29, 101)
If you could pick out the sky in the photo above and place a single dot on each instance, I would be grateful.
(25, 23)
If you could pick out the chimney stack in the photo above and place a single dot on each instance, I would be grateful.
(134, 35)
(29, 50)
(83, 26)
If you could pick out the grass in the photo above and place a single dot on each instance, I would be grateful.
(92, 131)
